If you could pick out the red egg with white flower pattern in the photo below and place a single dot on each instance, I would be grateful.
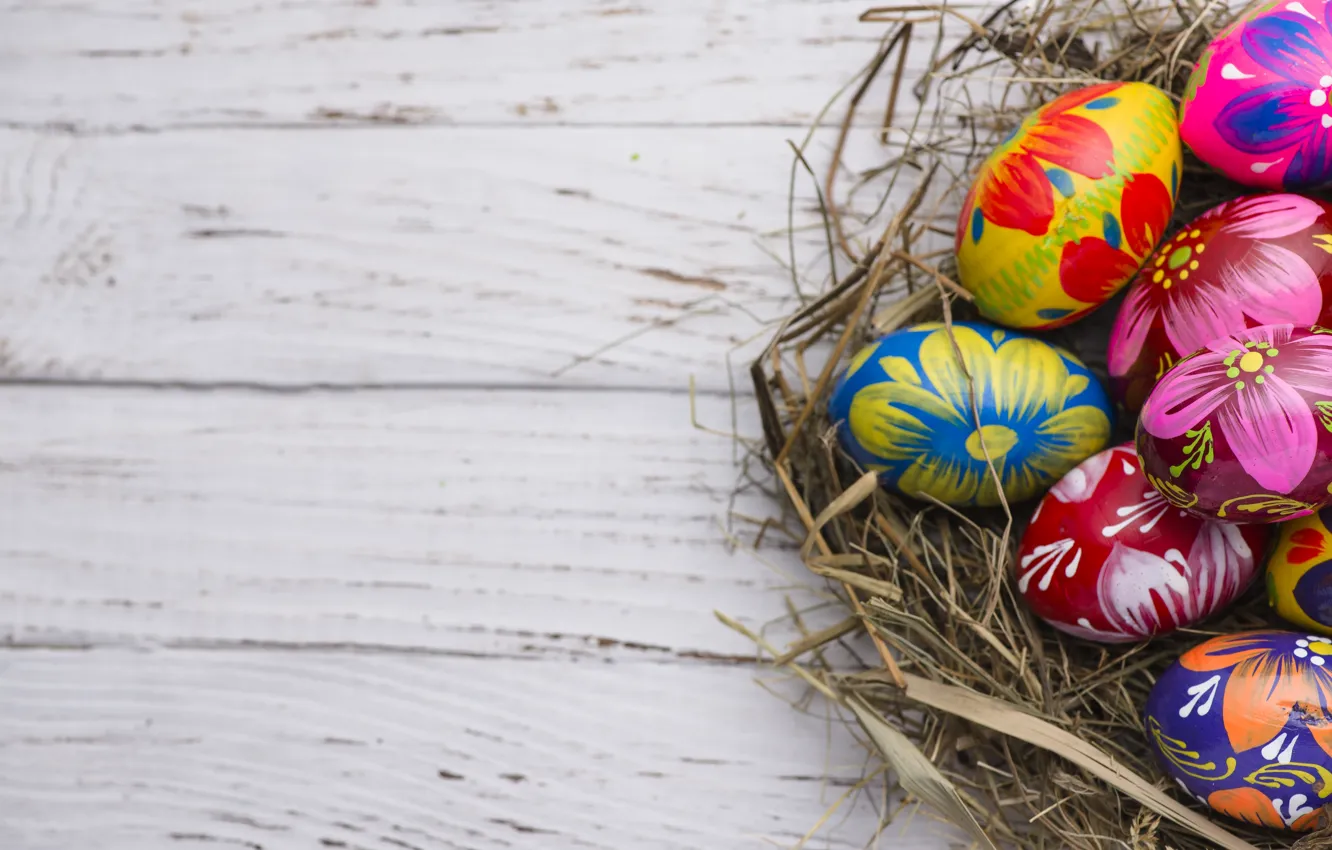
(1107, 558)
(1260, 260)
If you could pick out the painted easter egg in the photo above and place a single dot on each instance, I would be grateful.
(904, 407)
(1241, 430)
(1242, 723)
(1106, 557)
(1065, 211)
(1299, 572)
(1260, 260)
(1256, 106)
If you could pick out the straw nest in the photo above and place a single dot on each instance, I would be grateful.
(1024, 737)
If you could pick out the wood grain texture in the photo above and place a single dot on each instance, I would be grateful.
(120, 64)
(172, 750)
(628, 257)
(505, 523)
(463, 601)
(392, 619)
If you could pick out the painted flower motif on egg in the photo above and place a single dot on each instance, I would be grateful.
(1241, 722)
(1066, 209)
(1256, 107)
(1299, 572)
(1242, 430)
(1260, 260)
(904, 408)
(1107, 558)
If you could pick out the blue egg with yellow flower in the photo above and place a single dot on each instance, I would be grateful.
(904, 408)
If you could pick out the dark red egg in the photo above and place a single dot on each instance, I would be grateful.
(1107, 558)
(1258, 260)
(1242, 429)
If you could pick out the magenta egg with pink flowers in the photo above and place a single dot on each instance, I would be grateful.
(1259, 260)
(1241, 430)
(1256, 107)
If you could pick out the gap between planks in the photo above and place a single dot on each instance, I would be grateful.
(388, 125)
(587, 648)
(740, 391)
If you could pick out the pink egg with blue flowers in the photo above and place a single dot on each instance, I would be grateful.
(1257, 106)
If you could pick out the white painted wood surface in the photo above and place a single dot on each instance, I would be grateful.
(350, 494)
(504, 523)
(102, 64)
(472, 255)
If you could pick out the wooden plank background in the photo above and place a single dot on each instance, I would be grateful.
(351, 495)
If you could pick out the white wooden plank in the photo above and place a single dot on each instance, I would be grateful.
(97, 64)
(167, 750)
(440, 255)
(517, 524)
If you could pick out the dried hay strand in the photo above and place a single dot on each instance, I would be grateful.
(1023, 736)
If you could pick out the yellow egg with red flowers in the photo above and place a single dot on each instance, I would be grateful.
(1066, 209)
(1299, 572)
